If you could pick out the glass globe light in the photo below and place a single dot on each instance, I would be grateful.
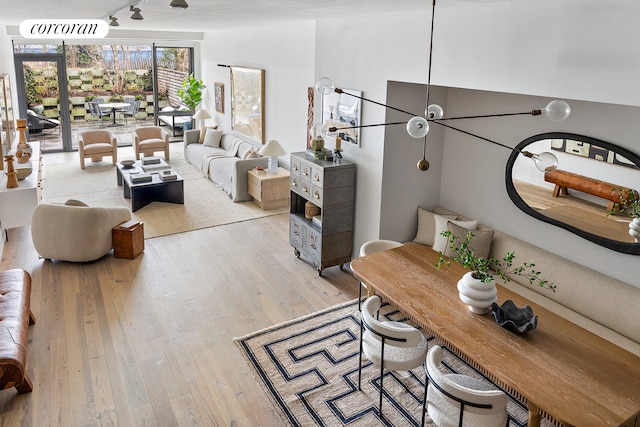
(434, 112)
(418, 127)
(545, 162)
(557, 110)
(324, 85)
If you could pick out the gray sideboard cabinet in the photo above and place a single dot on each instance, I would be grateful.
(326, 240)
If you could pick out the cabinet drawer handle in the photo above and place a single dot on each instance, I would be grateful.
(305, 189)
(313, 245)
(316, 195)
(305, 172)
(316, 178)
(295, 167)
(294, 183)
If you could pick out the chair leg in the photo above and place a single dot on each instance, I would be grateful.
(381, 376)
(424, 398)
(360, 358)
(360, 296)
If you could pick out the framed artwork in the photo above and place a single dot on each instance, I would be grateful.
(247, 102)
(343, 111)
(218, 89)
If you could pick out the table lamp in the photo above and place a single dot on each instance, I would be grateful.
(272, 149)
(203, 115)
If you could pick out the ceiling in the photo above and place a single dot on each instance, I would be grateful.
(203, 15)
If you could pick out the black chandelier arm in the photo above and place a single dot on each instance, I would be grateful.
(340, 91)
(335, 129)
(482, 116)
(476, 136)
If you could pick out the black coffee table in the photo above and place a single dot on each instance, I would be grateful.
(156, 190)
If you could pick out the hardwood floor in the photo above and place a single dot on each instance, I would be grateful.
(149, 341)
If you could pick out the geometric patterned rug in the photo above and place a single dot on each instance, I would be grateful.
(309, 369)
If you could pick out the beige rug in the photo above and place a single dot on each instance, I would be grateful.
(309, 369)
(205, 205)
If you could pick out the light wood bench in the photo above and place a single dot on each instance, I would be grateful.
(565, 180)
(15, 318)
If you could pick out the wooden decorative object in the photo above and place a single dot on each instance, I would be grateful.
(310, 210)
(22, 133)
(12, 178)
(128, 239)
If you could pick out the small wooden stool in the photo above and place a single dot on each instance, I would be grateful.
(128, 239)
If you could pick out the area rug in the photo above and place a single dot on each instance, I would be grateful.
(205, 204)
(309, 369)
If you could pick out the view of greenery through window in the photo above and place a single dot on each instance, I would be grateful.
(111, 71)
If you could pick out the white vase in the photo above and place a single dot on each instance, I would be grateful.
(634, 229)
(476, 294)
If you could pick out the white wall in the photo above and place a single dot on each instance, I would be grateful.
(286, 53)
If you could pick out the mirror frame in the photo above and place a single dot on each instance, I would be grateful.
(624, 247)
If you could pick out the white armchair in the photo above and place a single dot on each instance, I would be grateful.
(95, 144)
(74, 231)
(389, 345)
(461, 400)
(149, 139)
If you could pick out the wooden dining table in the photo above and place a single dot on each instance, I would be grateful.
(560, 369)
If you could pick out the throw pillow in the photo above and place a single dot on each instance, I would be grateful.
(440, 241)
(212, 138)
(427, 226)
(203, 132)
(254, 155)
(73, 202)
(247, 153)
(480, 243)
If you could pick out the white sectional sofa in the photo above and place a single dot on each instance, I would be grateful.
(601, 304)
(224, 165)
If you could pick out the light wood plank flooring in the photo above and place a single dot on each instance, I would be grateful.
(148, 342)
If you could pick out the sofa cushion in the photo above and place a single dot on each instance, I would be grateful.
(427, 225)
(203, 132)
(480, 243)
(212, 138)
(440, 241)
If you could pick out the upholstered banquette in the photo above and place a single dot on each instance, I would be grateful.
(599, 303)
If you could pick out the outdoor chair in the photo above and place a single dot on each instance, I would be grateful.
(97, 112)
(37, 123)
(395, 346)
(132, 111)
(454, 399)
(149, 139)
(95, 144)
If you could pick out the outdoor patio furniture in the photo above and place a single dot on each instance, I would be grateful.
(38, 123)
(96, 111)
(132, 111)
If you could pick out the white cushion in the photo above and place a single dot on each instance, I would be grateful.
(212, 138)
(440, 241)
(427, 225)
(203, 132)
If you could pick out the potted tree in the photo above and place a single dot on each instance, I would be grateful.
(477, 288)
(191, 92)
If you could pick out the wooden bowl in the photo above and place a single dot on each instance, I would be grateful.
(22, 173)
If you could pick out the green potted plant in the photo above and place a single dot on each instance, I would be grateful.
(191, 92)
(629, 204)
(477, 288)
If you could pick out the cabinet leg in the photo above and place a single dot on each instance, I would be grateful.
(296, 253)
(319, 271)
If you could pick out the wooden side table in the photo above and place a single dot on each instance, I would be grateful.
(128, 239)
(269, 190)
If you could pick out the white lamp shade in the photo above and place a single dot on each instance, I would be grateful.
(272, 149)
(202, 114)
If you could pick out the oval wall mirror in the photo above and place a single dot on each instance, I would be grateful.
(577, 196)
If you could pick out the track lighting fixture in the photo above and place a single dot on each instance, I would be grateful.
(136, 13)
(178, 4)
(114, 21)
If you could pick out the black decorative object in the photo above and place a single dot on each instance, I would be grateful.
(513, 318)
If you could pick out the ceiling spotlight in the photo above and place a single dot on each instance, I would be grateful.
(136, 13)
(178, 4)
(114, 21)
